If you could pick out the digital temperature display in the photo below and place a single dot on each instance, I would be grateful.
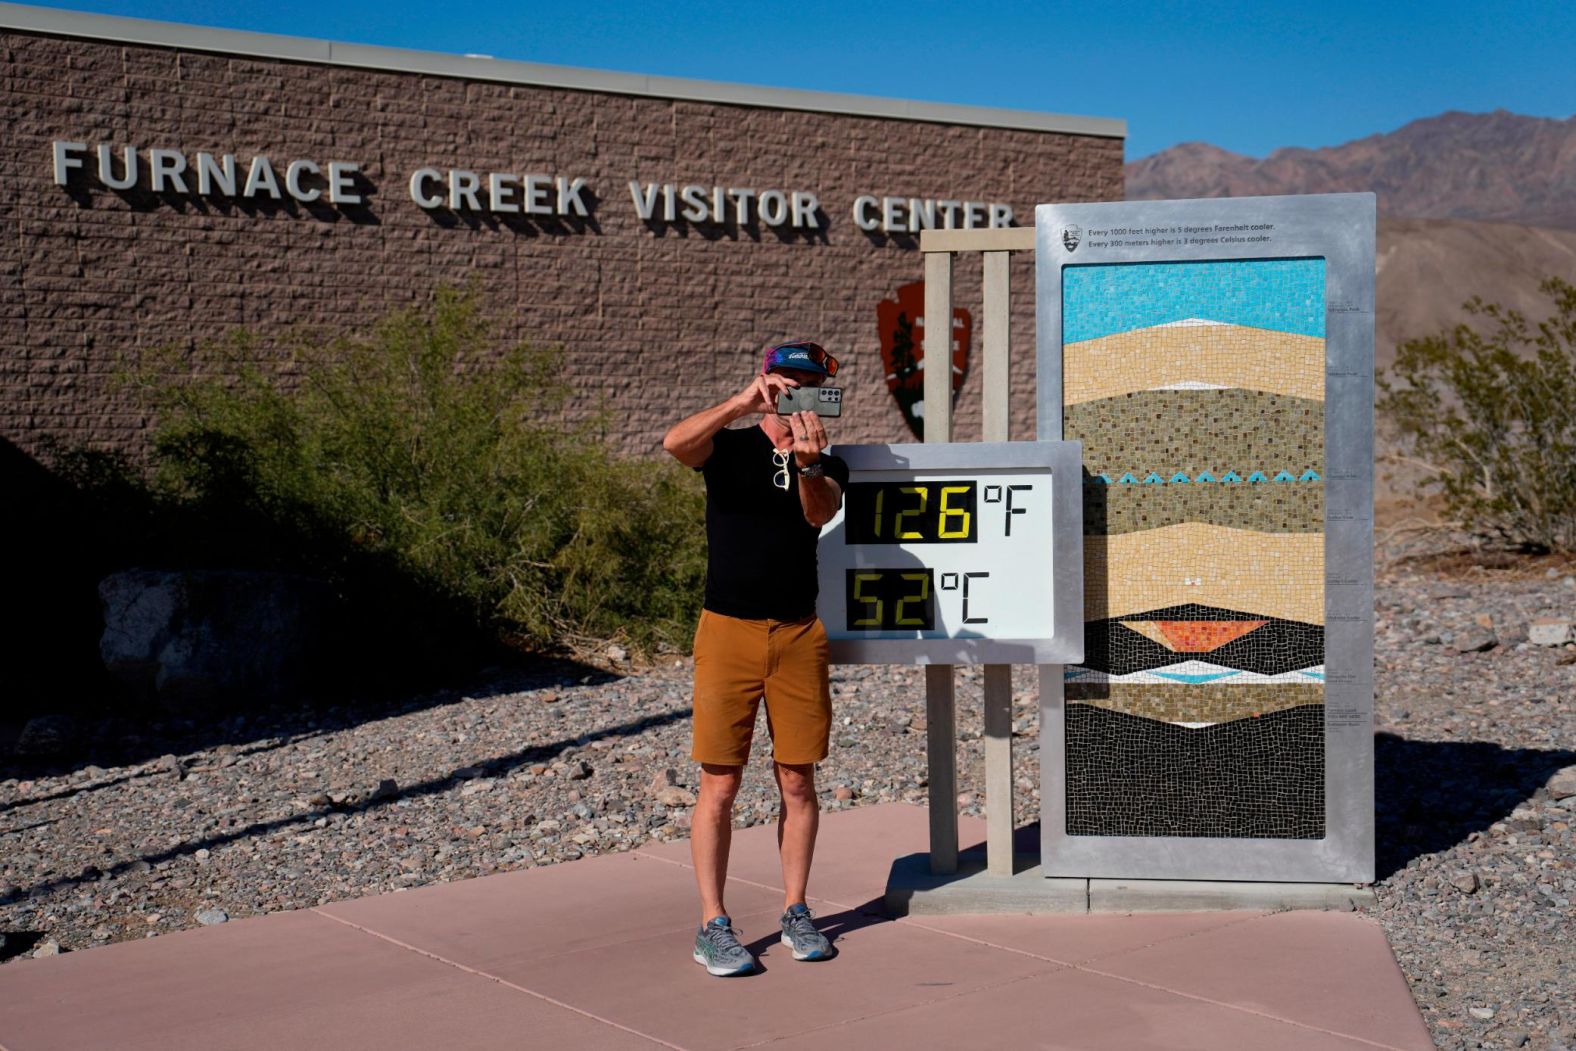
(954, 553)
(914, 513)
(891, 599)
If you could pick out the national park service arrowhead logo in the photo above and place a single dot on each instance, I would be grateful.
(902, 325)
(1072, 237)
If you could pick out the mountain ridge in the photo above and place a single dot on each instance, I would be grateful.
(1495, 167)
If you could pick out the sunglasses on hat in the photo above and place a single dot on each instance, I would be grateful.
(800, 354)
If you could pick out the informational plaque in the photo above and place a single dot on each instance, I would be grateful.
(1215, 358)
(955, 553)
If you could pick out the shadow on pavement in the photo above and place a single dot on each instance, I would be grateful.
(833, 926)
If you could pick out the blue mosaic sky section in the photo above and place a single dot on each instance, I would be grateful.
(1286, 295)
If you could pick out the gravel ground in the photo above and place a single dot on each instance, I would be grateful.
(1477, 856)
(179, 826)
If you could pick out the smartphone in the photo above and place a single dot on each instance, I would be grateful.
(823, 401)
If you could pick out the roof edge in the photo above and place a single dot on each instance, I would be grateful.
(119, 29)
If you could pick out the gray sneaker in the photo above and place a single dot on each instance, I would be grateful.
(800, 935)
(717, 946)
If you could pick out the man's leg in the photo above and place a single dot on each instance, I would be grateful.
(798, 819)
(799, 712)
(711, 833)
(797, 823)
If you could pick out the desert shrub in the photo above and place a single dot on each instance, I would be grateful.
(1489, 409)
(423, 453)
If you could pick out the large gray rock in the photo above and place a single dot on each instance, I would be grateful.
(1474, 640)
(203, 639)
(1550, 631)
(46, 737)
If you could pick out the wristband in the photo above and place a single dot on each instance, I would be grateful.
(815, 470)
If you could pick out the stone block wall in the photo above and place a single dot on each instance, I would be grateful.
(87, 272)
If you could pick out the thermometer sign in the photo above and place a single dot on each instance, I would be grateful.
(955, 553)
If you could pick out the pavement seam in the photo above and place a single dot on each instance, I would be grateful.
(649, 936)
(895, 1010)
(752, 883)
(1149, 985)
(911, 921)
(495, 978)
(1238, 1007)
(739, 879)
(1248, 1010)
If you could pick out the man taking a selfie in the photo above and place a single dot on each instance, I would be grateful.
(769, 490)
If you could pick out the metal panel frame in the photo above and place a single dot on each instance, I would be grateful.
(1065, 462)
(1340, 228)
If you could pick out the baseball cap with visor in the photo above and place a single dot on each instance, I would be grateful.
(799, 354)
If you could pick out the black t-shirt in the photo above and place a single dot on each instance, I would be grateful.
(760, 560)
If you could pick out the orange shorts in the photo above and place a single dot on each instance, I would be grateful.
(736, 662)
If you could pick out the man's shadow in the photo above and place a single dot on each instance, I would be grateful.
(834, 927)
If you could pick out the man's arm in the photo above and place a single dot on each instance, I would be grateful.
(689, 440)
(820, 497)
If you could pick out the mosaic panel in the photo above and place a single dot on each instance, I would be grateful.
(1280, 295)
(1197, 390)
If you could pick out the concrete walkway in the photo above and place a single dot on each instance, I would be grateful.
(596, 954)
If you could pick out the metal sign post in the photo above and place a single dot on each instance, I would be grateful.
(941, 719)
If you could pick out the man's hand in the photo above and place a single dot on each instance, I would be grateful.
(761, 395)
(809, 437)
(820, 497)
(689, 440)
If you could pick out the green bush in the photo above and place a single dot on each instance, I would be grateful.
(1491, 415)
(417, 451)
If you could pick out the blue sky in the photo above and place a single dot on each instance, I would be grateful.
(1246, 76)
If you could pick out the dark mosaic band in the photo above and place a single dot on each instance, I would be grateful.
(1272, 647)
(1250, 778)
